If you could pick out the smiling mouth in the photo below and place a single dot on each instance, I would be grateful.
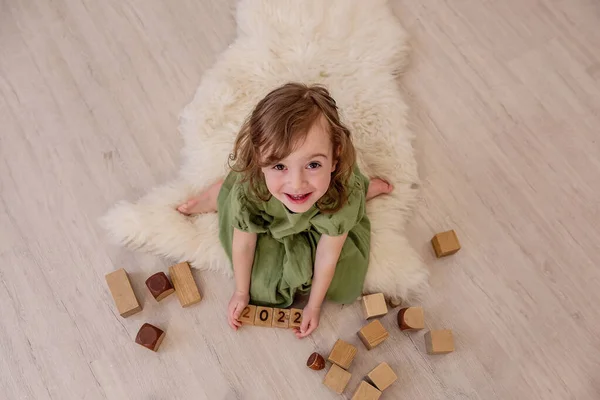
(298, 198)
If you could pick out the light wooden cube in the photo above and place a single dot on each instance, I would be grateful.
(373, 334)
(382, 376)
(264, 316)
(122, 293)
(281, 318)
(411, 318)
(342, 354)
(366, 392)
(439, 342)
(248, 314)
(295, 318)
(337, 378)
(185, 286)
(374, 305)
(445, 243)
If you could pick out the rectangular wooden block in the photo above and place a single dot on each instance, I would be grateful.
(295, 318)
(366, 392)
(374, 305)
(439, 342)
(248, 314)
(122, 293)
(342, 354)
(382, 376)
(337, 379)
(445, 243)
(281, 318)
(264, 316)
(373, 334)
(184, 284)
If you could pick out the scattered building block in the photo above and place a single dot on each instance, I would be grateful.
(159, 285)
(395, 303)
(315, 361)
(342, 354)
(373, 334)
(374, 305)
(184, 283)
(439, 342)
(411, 318)
(295, 318)
(281, 318)
(445, 243)
(150, 337)
(366, 392)
(264, 316)
(122, 293)
(337, 378)
(382, 376)
(248, 314)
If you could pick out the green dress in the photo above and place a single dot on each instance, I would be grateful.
(287, 242)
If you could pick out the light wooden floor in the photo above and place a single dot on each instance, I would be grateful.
(506, 100)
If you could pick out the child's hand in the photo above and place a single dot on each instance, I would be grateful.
(310, 321)
(238, 302)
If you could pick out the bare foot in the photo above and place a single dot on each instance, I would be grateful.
(378, 186)
(205, 202)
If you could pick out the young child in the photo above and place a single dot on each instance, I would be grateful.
(292, 210)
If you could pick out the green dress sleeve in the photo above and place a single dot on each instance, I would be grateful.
(246, 214)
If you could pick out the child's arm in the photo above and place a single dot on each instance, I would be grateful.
(244, 245)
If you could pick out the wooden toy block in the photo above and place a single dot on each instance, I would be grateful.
(395, 303)
(366, 392)
(281, 318)
(122, 293)
(411, 318)
(315, 361)
(337, 378)
(439, 342)
(342, 354)
(373, 334)
(374, 305)
(264, 316)
(248, 314)
(184, 283)
(295, 318)
(150, 337)
(445, 243)
(159, 285)
(382, 376)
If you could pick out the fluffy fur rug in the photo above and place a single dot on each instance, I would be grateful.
(356, 48)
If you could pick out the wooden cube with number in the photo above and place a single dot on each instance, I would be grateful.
(264, 316)
(295, 318)
(342, 354)
(373, 334)
(248, 314)
(281, 318)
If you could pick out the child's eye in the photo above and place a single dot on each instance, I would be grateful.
(279, 167)
(314, 165)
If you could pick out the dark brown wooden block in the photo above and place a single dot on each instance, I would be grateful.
(315, 361)
(150, 337)
(159, 285)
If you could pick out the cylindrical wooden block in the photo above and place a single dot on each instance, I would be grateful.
(315, 361)
(411, 318)
(150, 337)
(159, 285)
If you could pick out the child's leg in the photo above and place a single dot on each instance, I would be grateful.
(378, 186)
(205, 202)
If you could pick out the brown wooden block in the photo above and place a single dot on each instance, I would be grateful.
(382, 376)
(373, 334)
(315, 361)
(439, 342)
(184, 283)
(264, 316)
(337, 379)
(445, 243)
(295, 318)
(248, 314)
(159, 285)
(366, 392)
(342, 354)
(281, 318)
(374, 305)
(150, 337)
(411, 318)
(122, 293)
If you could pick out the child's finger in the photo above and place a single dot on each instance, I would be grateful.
(238, 311)
(304, 325)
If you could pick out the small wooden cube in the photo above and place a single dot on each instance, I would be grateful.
(411, 318)
(374, 305)
(184, 283)
(281, 318)
(264, 316)
(439, 342)
(445, 243)
(337, 379)
(382, 376)
(295, 318)
(248, 314)
(316, 362)
(366, 392)
(159, 285)
(342, 354)
(373, 334)
(122, 293)
(150, 337)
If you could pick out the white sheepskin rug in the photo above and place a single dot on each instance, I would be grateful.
(357, 49)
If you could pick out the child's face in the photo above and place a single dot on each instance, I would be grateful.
(303, 177)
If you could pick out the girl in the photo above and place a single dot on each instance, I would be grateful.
(292, 210)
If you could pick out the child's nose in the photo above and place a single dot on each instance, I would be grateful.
(297, 179)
